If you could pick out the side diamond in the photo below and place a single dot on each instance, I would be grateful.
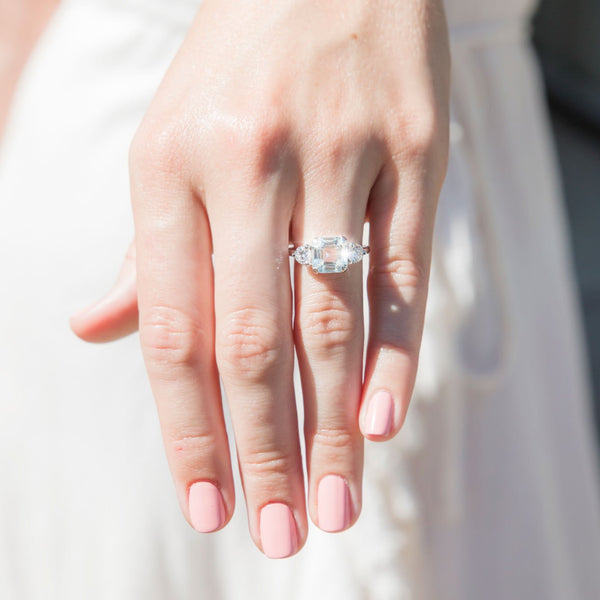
(354, 252)
(303, 254)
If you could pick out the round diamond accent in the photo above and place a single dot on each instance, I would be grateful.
(303, 254)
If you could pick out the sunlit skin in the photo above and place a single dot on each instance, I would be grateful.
(278, 122)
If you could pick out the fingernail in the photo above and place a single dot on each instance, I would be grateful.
(380, 414)
(207, 510)
(333, 503)
(278, 534)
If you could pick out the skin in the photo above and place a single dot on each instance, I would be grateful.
(21, 24)
(278, 122)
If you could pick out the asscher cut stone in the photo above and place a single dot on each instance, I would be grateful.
(329, 254)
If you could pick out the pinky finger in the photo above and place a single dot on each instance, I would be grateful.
(401, 218)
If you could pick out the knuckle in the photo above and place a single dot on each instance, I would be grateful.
(398, 288)
(268, 464)
(159, 149)
(191, 449)
(335, 140)
(250, 345)
(254, 143)
(335, 438)
(397, 272)
(326, 323)
(342, 137)
(265, 133)
(419, 136)
(170, 338)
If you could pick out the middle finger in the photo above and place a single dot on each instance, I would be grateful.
(254, 349)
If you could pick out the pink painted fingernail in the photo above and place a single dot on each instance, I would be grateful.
(207, 510)
(278, 534)
(333, 503)
(380, 414)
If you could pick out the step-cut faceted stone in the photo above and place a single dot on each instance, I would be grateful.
(329, 254)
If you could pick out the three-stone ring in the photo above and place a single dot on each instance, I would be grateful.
(328, 254)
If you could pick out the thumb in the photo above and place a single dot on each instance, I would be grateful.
(116, 315)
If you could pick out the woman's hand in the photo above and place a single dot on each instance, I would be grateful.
(277, 122)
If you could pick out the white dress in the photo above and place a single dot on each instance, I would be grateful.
(490, 492)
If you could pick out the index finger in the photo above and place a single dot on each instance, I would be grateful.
(175, 297)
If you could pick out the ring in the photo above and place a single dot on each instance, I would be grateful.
(329, 254)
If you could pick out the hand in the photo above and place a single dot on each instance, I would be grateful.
(282, 121)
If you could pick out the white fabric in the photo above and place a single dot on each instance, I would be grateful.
(491, 489)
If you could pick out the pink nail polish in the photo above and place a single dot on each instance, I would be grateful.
(278, 534)
(333, 503)
(380, 414)
(207, 510)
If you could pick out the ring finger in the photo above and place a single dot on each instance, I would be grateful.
(329, 341)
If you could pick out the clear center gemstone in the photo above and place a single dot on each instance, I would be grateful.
(329, 254)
